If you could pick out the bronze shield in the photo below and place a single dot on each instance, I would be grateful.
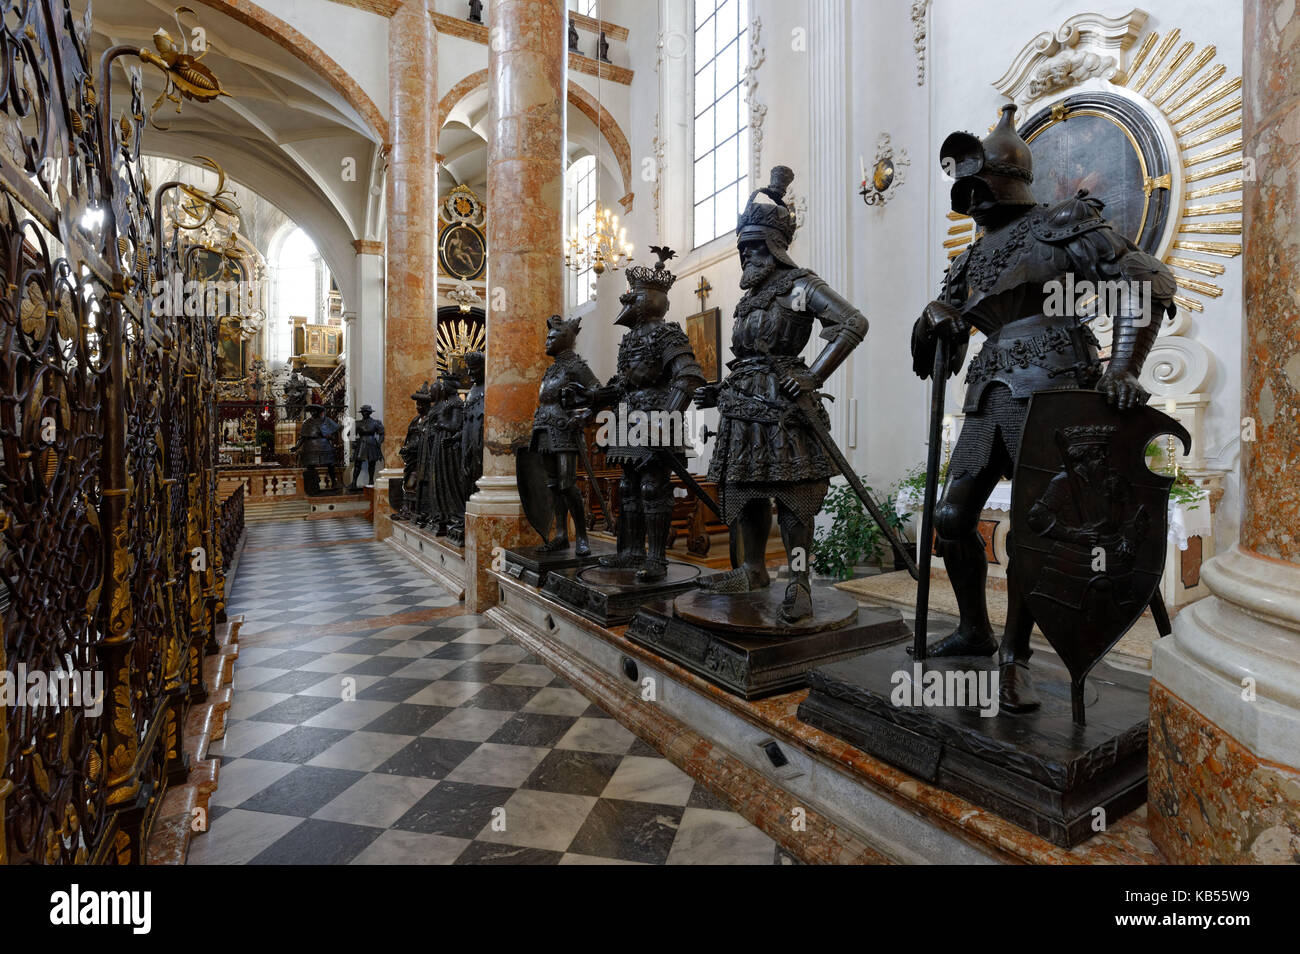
(1089, 520)
(530, 475)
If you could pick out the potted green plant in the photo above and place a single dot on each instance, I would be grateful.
(850, 539)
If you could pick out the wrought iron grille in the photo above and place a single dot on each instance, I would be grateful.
(110, 560)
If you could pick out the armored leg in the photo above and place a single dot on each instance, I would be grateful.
(956, 520)
(559, 504)
(631, 523)
(657, 502)
(751, 529)
(797, 535)
(1015, 685)
(567, 473)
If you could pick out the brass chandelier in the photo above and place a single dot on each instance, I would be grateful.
(605, 246)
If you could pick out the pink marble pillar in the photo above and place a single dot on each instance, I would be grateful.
(527, 63)
(411, 288)
(1224, 781)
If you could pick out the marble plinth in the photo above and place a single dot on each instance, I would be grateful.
(827, 802)
(612, 596)
(437, 556)
(1037, 769)
(751, 665)
(1225, 718)
(532, 565)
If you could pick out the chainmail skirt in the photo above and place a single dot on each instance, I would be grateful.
(1000, 420)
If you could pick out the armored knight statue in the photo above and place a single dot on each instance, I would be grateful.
(295, 396)
(410, 452)
(657, 373)
(367, 447)
(766, 449)
(316, 449)
(557, 431)
(471, 435)
(446, 420)
(1002, 286)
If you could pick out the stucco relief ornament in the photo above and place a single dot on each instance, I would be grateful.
(919, 11)
(757, 109)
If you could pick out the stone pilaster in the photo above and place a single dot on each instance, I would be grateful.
(525, 173)
(1225, 697)
(410, 323)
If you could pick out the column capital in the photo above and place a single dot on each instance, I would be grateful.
(367, 247)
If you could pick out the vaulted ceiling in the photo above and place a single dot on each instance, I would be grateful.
(285, 130)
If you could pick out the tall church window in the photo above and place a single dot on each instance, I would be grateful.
(581, 212)
(721, 143)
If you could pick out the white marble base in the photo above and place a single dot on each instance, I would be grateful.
(437, 557)
(1245, 636)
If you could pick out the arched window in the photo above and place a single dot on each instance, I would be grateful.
(294, 271)
(721, 144)
(580, 210)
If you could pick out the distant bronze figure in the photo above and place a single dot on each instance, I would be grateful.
(657, 373)
(573, 38)
(296, 396)
(410, 452)
(475, 11)
(316, 449)
(772, 441)
(367, 447)
(1003, 286)
(446, 419)
(471, 439)
(602, 48)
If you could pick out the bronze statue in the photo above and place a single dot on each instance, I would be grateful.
(410, 452)
(367, 447)
(316, 449)
(1001, 286)
(657, 374)
(772, 441)
(295, 396)
(556, 442)
(471, 438)
(443, 428)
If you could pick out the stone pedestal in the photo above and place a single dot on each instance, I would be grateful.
(612, 597)
(1225, 695)
(533, 565)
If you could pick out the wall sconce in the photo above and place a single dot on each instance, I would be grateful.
(887, 172)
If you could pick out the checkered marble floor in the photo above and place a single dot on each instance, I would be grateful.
(375, 722)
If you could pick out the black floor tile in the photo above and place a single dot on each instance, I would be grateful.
(295, 710)
(317, 842)
(300, 744)
(488, 853)
(428, 758)
(533, 728)
(303, 791)
(404, 719)
(455, 809)
(507, 698)
(394, 688)
(629, 831)
(574, 773)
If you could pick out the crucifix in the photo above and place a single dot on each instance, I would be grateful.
(702, 291)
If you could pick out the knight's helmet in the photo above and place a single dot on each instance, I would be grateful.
(771, 221)
(641, 277)
(1000, 167)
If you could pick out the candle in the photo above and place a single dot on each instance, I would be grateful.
(862, 163)
(1171, 406)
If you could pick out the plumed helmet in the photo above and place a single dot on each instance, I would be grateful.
(1002, 163)
(771, 222)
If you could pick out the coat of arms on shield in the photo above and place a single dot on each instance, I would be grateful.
(1089, 522)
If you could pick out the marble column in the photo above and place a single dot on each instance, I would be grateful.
(527, 63)
(1225, 694)
(410, 323)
